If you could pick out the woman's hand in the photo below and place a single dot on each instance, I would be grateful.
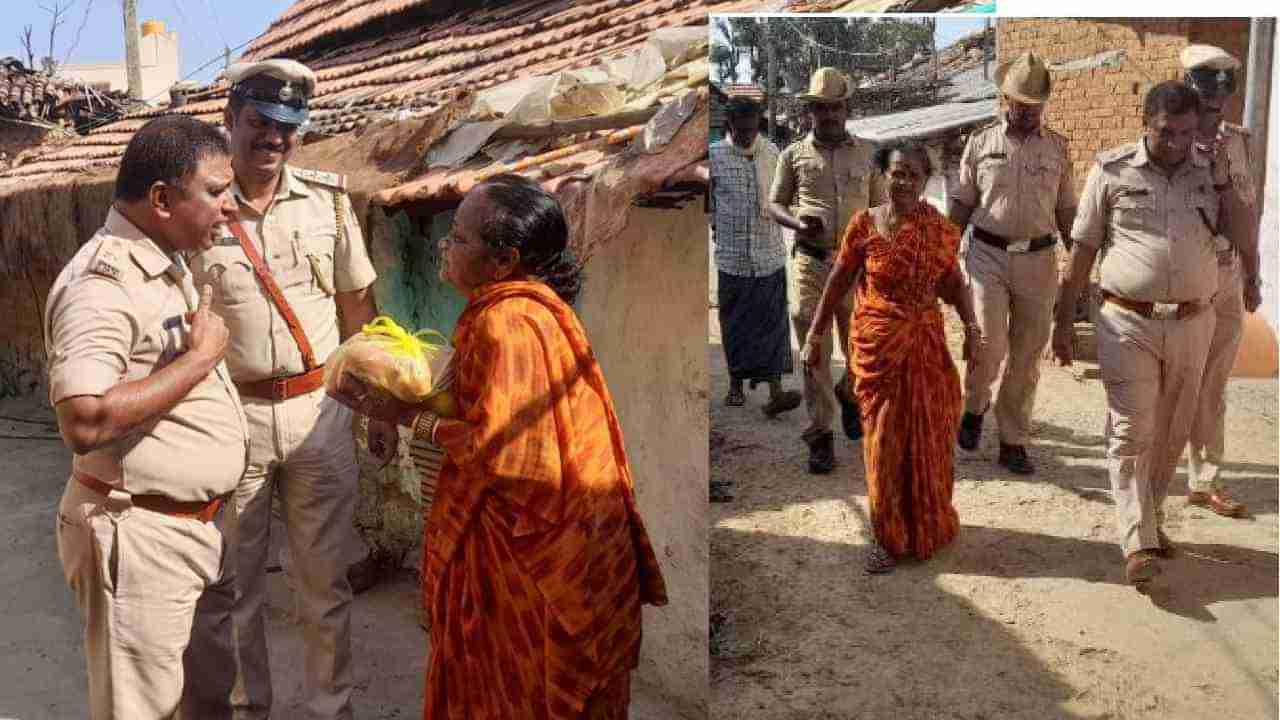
(372, 402)
(811, 353)
(972, 342)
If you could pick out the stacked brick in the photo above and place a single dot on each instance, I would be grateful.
(1099, 107)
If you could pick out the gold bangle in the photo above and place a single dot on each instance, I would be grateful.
(424, 426)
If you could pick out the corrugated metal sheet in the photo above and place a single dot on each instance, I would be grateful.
(922, 122)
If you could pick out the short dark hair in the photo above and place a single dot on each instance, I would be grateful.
(166, 149)
(529, 219)
(1170, 97)
(738, 106)
(905, 147)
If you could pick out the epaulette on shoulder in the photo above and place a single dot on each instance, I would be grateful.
(109, 259)
(1117, 153)
(1233, 129)
(336, 181)
(1056, 135)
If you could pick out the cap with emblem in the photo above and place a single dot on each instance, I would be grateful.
(1210, 69)
(1024, 78)
(278, 89)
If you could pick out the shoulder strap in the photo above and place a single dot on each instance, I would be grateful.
(277, 296)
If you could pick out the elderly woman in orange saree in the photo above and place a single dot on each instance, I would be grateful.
(535, 560)
(903, 256)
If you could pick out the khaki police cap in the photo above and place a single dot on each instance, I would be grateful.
(1024, 78)
(828, 85)
(1207, 57)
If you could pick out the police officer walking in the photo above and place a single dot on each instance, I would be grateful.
(1154, 206)
(144, 400)
(821, 181)
(1015, 191)
(1211, 72)
(294, 258)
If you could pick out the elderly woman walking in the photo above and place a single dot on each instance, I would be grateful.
(903, 255)
(536, 561)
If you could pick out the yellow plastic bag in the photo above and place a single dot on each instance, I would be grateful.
(388, 358)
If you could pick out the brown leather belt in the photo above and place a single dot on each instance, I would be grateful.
(277, 389)
(194, 510)
(1008, 245)
(1181, 311)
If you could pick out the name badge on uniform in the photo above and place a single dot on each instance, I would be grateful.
(175, 340)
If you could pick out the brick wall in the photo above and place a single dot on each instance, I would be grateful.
(1099, 108)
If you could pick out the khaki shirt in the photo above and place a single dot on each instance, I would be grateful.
(115, 315)
(313, 248)
(831, 182)
(1015, 186)
(1155, 245)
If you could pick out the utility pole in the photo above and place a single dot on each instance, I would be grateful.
(132, 58)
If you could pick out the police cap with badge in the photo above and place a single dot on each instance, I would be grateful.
(278, 88)
(1210, 70)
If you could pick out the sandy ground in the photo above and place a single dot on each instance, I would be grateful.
(1026, 615)
(42, 670)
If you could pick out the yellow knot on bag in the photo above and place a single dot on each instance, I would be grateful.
(401, 342)
(389, 358)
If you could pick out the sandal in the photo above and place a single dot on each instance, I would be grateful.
(735, 398)
(879, 561)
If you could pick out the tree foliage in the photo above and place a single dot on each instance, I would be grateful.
(858, 45)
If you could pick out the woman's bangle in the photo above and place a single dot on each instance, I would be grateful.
(973, 326)
(424, 426)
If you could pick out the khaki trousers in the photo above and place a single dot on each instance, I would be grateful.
(1013, 295)
(1151, 370)
(808, 279)
(1205, 450)
(147, 585)
(301, 450)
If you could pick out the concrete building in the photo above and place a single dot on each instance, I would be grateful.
(161, 66)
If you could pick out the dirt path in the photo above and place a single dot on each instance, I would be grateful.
(1026, 615)
(42, 670)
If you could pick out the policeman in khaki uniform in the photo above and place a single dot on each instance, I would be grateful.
(1150, 207)
(1211, 72)
(295, 257)
(820, 182)
(1016, 191)
(145, 402)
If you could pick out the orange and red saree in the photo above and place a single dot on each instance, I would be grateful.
(535, 559)
(905, 382)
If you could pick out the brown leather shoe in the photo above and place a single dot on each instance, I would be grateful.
(1141, 567)
(1218, 501)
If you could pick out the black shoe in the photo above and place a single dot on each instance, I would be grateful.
(784, 401)
(822, 454)
(1015, 458)
(970, 431)
(850, 415)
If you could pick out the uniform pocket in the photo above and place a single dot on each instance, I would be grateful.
(319, 247)
(993, 171)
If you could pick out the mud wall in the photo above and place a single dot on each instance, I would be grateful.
(644, 306)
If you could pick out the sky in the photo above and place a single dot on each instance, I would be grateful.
(948, 30)
(204, 27)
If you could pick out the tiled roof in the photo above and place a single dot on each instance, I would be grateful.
(414, 70)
